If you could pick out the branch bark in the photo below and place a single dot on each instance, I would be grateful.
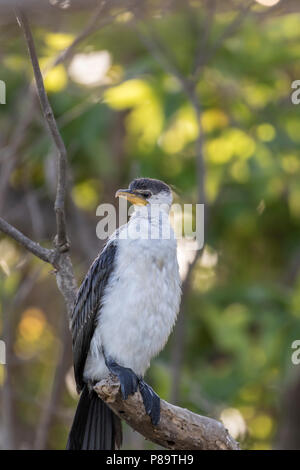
(178, 428)
(59, 258)
(43, 253)
(61, 236)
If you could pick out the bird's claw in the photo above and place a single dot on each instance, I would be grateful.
(127, 378)
(151, 402)
(130, 382)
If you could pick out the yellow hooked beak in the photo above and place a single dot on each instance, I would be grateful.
(132, 197)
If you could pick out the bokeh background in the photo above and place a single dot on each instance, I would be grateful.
(124, 103)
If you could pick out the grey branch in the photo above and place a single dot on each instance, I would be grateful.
(42, 253)
(178, 428)
(55, 134)
(61, 262)
(59, 258)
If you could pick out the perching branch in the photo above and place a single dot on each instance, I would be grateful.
(178, 428)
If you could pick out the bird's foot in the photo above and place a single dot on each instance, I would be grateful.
(128, 379)
(151, 402)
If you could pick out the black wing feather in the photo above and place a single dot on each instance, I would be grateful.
(88, 301)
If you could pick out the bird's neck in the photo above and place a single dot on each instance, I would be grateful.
(151, 211)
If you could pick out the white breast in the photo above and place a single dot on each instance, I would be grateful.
(141, 301)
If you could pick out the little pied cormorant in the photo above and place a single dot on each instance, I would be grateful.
(124, 312)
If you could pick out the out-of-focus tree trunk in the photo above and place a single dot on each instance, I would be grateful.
(289, 429)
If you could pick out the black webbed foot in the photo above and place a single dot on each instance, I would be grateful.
(128, 379)
(151, 402)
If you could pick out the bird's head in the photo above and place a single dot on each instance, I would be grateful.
(144, 191)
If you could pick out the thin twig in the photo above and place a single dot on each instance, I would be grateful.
(92, 26)
(61, 236)
(43, 253)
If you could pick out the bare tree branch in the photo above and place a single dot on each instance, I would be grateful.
(64, 270)
(178, 428)
(91, 26)
(43, 253)
(59, 206)
(61, 261)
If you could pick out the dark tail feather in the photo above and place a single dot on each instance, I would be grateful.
(95, 426)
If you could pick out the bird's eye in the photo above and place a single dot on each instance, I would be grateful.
(146, 194)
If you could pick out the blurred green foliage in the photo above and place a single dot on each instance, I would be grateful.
(241, 316)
